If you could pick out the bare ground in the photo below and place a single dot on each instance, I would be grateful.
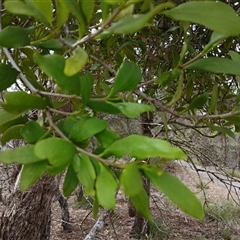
(170, 222)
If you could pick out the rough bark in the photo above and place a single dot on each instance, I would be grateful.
(28, 214)
(140, 226)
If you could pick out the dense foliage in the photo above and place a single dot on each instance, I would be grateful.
(65, 62)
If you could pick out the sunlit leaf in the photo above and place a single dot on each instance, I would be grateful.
(62, 13)
(144, 147)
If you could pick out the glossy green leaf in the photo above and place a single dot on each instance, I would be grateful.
(106, 137)
(31, 173)
(86, 83)
(128, 76)
(223, 130)
(201, 12)
(199, 101)
(59, 152)
(131, 180)
(176, 191)
(62, 13)
(143, 147)
(12, 133)
(33, 132)
(86, 128)
(86, 174)
(216, 65)
(76, 62)
(70, 181)
(53, 66)
(22, 155)
(8, 37)
(20, 102)
(133, 110)
(8, 76)
(106, 186)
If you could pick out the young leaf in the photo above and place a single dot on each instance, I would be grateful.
(106, 137)
(143, 147)
(59, 152)
(8, 76)
(216, 65)
(70, 181)
(20, 102)
(202, 13)
(132, 110)
(86, 83)
(32, 132)
(22, 155)
(31, 173)
(12, 133)
(128, 76)
(86, 128)
(177, 192)
(76, 62)
(8, 37)
(106, 186)
(223, 130)
(53, 66)
(85, 171)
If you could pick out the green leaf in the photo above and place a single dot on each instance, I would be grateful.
(234, 56)
(106, 186)
(18, 7)
(20, 102)
(76, 62)
(70, 181)
(143, 147)
(132, 110)
(86, 83)
(8, 124)
(87, 8)
(86, 128)
(132, 184)
(106, 137)
(53, 66)
(103, 107)
(128, 76)
(177, 192)
(214, 99)
(12, 133)
(216, 65)
(22, 155)
(31, 173)
(199, 102)
(59, 152)
(202, 13)
(131, 180)
(8, 37)
(62, 13)
(85, 171)
(8, 76)
(141, 203)
(66, 125)
(52, 44)
(32, 132)
(223, 130)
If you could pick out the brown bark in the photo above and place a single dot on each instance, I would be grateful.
(28, 214)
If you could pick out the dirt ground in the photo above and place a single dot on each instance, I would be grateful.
(169, 222)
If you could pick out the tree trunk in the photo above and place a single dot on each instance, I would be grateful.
(140, 226)
(28, 214)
